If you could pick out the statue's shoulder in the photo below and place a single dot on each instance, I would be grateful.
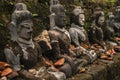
(14, 47)
(13, 43)
(54, 32)
(116, 24)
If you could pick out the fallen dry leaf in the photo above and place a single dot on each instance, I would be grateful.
(82, 70)
(60, 62)
(84, 45)
(47, 62)
(111, 51)
(3, 65)
(103, 56)
(6, 71)
(72, 47)
(117, 39)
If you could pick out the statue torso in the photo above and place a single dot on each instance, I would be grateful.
(33, 54)
(63, 39)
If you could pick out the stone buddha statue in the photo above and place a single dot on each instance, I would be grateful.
(77, 32)
(96, 32)
(79, 35)
(60, 41)
(117, 21)
(109, 33)
(109, 23)
(21, 49)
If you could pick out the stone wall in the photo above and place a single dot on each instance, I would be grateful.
(101, 70)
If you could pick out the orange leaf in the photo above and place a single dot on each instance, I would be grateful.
(117, 47)
(111, 51)
(49, 63)
(118, 39)
(72, 47)
(103, 57)
(60, 62)
(109, 58)
(84, 45)
(6, 71)
(3, 65)
(82, 70)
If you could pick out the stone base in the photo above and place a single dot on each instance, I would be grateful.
(101, 70)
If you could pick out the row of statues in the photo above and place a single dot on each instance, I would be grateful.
(60, 49)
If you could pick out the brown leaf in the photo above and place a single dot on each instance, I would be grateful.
(111, 51)
(84, 45)
(3, 65)
(117, 39)
(6, 71)
(72, 47)
(82, 70)
(60, 62)
(103, 56)
(47, 62)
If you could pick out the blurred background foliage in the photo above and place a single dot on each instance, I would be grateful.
(40, 11)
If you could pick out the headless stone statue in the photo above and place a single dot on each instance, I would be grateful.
(22, 50)
(96, 32)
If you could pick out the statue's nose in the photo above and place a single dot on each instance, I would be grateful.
(83, 19)
(30, 30)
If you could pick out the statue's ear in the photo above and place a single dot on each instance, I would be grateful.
(19, 28)
(52, 20)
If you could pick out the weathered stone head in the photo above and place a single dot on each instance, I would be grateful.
(78, 16)
(110, 15)
(55, 8)
(54, 2)
(21, 23)
(18, 1)
(110, 19)
(117, 14)
(25, 31)
(117, 21)
(60, 17)
(20, 6)
(99, 16)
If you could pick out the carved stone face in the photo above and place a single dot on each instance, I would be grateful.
(55, 1)
(81, 19)
(25, 31)
(117, 14)
(60, 20)
(111, 17)
(101, 20)
(20, 6)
